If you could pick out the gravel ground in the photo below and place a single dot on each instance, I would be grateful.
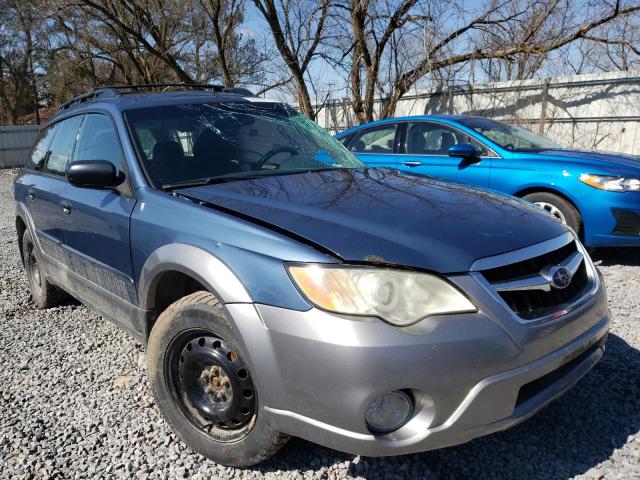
(75, 403)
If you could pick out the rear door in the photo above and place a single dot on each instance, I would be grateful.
(96, 222)
(376, 145)
(426, 148)
(32, 189)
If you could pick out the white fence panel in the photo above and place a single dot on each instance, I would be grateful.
(15, 144)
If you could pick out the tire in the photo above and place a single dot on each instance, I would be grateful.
(43, 293)
(558, 207)
(200, 382)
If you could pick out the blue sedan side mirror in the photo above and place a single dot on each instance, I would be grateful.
(464, 150)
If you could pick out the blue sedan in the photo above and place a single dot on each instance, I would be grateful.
(596, 194)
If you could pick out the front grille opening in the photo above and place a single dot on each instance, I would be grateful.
(531, 304)
(531, 389)
(627, 223)
(529, 266)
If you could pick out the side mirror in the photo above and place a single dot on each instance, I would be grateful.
(464, 150)
(93, 174)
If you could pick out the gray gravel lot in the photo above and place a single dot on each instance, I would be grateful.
(75, 403)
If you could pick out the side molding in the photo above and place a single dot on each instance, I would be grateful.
(195, 262)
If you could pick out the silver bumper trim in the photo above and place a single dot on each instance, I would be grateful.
(522, 254)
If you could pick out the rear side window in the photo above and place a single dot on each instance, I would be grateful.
(40, 149)
(62, 145)
(374, 140)
(98, 140)
(345, 140)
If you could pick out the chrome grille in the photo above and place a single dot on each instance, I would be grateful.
(537, 287)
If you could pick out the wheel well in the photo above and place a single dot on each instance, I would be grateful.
(21, 227)
(171, 287)
(527, 191)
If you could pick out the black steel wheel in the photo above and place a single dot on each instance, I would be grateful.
(43, 293)
(33, 269)
(212, 385)
(202, 382)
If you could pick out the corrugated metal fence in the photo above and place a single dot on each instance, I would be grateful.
(15, 143)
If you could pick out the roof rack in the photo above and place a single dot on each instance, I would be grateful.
(115, 90)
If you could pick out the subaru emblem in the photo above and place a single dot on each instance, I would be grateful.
(560, 277)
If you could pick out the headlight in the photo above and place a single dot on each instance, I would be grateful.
(611, 184)
(399, 297)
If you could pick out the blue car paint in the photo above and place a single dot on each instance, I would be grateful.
(520, 173)
(384, 216)
(253, 252)
(110, 247)
(253, 236)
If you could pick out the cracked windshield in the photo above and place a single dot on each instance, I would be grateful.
(183, 145)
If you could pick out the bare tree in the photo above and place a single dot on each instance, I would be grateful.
(616, 47)
(298, 28)
(380, 50)
(19, 58)
(238, 57)
(156, 25)
(520, 33)
(373, 26)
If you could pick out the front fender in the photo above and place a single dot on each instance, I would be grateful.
(199, 264)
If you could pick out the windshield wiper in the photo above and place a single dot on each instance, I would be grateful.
(533, 149)
(204, 181)
(234, 177)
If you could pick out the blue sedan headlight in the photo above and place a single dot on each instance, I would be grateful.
(611, 184)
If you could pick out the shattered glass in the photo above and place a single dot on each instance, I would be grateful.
(205, 142)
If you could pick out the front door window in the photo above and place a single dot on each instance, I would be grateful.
(435, 139)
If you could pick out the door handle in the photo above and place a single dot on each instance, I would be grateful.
(66, 207)
(412, 164)
(30, 194)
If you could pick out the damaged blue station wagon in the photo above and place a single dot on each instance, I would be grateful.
(283, 288)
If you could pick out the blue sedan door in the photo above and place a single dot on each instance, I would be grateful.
(376, 145)
(426, 152)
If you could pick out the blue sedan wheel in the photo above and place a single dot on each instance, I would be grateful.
(558, 207)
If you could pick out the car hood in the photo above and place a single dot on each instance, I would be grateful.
(606, 159)
(385, 216)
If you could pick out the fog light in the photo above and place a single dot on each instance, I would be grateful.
(389, 412)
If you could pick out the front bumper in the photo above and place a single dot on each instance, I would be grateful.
(470, 374)
(611, 219)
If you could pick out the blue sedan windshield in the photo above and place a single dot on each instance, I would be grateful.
(511, 137)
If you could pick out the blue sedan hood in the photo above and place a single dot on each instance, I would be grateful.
(614, 160)
(381, 215)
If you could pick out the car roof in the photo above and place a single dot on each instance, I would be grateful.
(442, 117)
(128, 97)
